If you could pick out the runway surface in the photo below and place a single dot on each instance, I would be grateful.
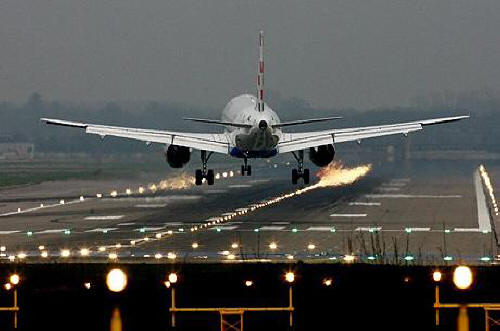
(413, 213)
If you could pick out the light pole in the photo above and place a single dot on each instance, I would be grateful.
(290, 278)
(437, 276)
(172, 279)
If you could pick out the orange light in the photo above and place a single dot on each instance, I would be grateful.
(290, 277)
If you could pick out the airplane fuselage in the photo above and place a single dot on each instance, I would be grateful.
(258, 141)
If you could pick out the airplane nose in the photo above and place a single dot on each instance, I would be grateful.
(262, 125)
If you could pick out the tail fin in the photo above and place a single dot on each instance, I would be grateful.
(260, 75)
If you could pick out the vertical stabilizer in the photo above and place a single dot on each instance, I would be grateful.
(260, 76)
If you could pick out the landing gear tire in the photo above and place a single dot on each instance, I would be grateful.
(305, 176)
(246, 168)
(198, 177)
(210, 177)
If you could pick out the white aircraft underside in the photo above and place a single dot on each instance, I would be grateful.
(254, 130)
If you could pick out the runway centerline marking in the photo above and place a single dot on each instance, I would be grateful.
(271, 228)
(320, 228)
(348, 215)
(104, 218)
(359, 203)
(159, 205)
(101, 230)
(411, 196)
(9, 232)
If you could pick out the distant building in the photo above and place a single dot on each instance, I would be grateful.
(17, 151)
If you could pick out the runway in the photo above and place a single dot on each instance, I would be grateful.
(394, 214)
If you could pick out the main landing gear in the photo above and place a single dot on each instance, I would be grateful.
(201, 174)
(300, 172)
(246, 168)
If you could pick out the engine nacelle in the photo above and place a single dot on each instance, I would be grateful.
(322, 155)
(177, 156)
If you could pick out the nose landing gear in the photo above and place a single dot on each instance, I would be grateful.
(300, 172)
(246, 168)
(204, 173)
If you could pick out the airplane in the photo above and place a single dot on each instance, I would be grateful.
(253, 130)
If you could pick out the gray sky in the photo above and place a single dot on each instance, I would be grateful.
(332, 53)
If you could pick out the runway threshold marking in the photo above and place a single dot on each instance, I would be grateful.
(369, 229)
(483, 215)
(225, 228)
(9, 232)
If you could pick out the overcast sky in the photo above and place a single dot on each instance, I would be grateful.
(348, 53)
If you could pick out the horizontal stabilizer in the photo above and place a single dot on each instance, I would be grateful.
(217, 122)
(311, 120)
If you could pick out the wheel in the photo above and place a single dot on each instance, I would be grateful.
(210, 177)
(305, 176)
(249, 170)
(243, 170)
(294, 176)
(198, 177)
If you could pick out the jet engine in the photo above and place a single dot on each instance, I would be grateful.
(322, 155)
(177, 156)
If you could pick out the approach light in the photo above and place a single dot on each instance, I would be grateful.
(44, 254)
(167, 284)
(116, 280)
(41, 247)
(102, 249)
(14, 279)
(8, 286)
(84, 252)
(231, 257)
(87, 285)
(349, 258)
(3, 248)
(290, 257)
(290, 277)
(21, 255)
(327, 282)
(171, 256)
(158, 256)
(273, 245)
(65, 253)
(113, 256)
(158, 236)
(234, 245)
(172, 278)
(462, 277)
(194, 245)
(311, 247)
(248, 283)
(437, 276)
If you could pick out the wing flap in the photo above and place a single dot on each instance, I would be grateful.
(297, 141)
(203, 141)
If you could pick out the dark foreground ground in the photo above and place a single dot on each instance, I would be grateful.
(362, 297)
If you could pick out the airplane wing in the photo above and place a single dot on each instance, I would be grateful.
(297, 141)
(211, 142)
